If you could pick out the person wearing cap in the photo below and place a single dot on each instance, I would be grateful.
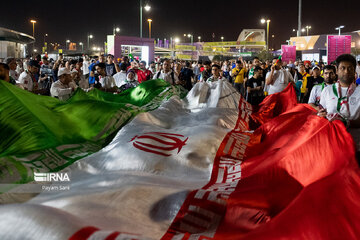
(131, 81)
(278, 78)
(329, 79)
(61, 88)
(107, 82)
(311, 82)
(27, 79)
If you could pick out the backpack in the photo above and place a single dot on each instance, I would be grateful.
(172, 76)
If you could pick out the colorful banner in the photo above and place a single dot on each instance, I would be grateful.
(337, 45)
(211, 44)
(247, 43)
(185, 47)
(183, 56)
(288, 53)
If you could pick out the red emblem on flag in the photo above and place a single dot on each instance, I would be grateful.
(159, 143)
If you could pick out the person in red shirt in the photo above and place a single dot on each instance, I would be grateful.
(143, 73)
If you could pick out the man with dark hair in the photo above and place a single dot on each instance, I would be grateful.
(215, 70)
(238, 75)
(254, 87)
(120, 77)
(255, 63)
(207, 72)
(342, 99)
(278, 78)
(4, 73)
(107, 82)
(111, 67)
(187, 75)
(143, 73)
(167, 73)
(329, 79)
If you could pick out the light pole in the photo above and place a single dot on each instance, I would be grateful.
(199, 38)
(191, 38)
(116, 30)
(339, 28)
(88, 41)
(267, 31)
(147, 8)
(299, 19)
(222, 39)
(33, 23)
(307, 30)
(45, 44)
(45, 38)
(66, 45)
(82, 47)
(149, 20)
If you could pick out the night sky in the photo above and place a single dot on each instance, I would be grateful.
(73, 20)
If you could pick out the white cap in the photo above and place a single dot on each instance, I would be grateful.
(63, 71)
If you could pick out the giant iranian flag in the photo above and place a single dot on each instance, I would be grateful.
(153, 164)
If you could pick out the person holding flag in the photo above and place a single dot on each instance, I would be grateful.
(278, 78)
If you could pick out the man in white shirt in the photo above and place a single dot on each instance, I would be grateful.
(61, 89)
(27, 79)
(329, 79)
(278, 78)
(107, 82)
(85, 67)
(167, 74)
(342, 99)
(120, 77)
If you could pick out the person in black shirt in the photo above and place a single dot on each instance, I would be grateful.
(312, 81)
(111, 67)
(187, 75)
(207, 71)
(254, 87)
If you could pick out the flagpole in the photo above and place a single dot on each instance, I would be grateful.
(299, 19)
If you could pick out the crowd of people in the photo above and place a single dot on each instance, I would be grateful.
(254, 79)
